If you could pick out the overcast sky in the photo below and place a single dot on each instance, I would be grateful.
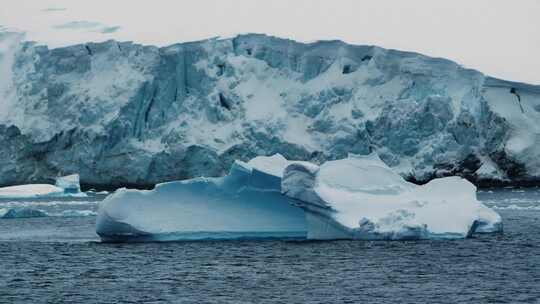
(500, 38)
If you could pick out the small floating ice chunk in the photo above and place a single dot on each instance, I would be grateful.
(94, 192)
(29, 191)
(65, 186)
(70, 183)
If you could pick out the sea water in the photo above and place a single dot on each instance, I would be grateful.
(60, 259)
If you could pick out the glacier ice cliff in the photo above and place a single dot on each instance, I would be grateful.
(358, 197)
(125, 114)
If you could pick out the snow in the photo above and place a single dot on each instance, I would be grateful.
(362, 198)
(203, 208)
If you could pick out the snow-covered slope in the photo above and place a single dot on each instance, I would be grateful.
(120, 113)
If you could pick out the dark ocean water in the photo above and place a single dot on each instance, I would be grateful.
(60, 260)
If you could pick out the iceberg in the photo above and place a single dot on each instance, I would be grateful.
(70, 183)
(246, 203)
(65, 186)
(360, 197)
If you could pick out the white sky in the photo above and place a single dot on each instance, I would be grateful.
(498, 37)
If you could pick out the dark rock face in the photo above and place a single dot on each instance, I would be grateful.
(123, 114)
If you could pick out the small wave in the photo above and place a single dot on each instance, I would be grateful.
(516, 207)
(511, 201)
(93, 192)
(75, 213)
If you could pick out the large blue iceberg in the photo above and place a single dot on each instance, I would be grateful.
(269, 197)
(246, 203)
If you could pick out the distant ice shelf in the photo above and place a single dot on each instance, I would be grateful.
(270, 197)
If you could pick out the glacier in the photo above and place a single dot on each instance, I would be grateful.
(124, 114)
(65, 186)
(270, 197)
(360, 197)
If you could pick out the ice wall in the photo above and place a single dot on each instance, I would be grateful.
(124, 114)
